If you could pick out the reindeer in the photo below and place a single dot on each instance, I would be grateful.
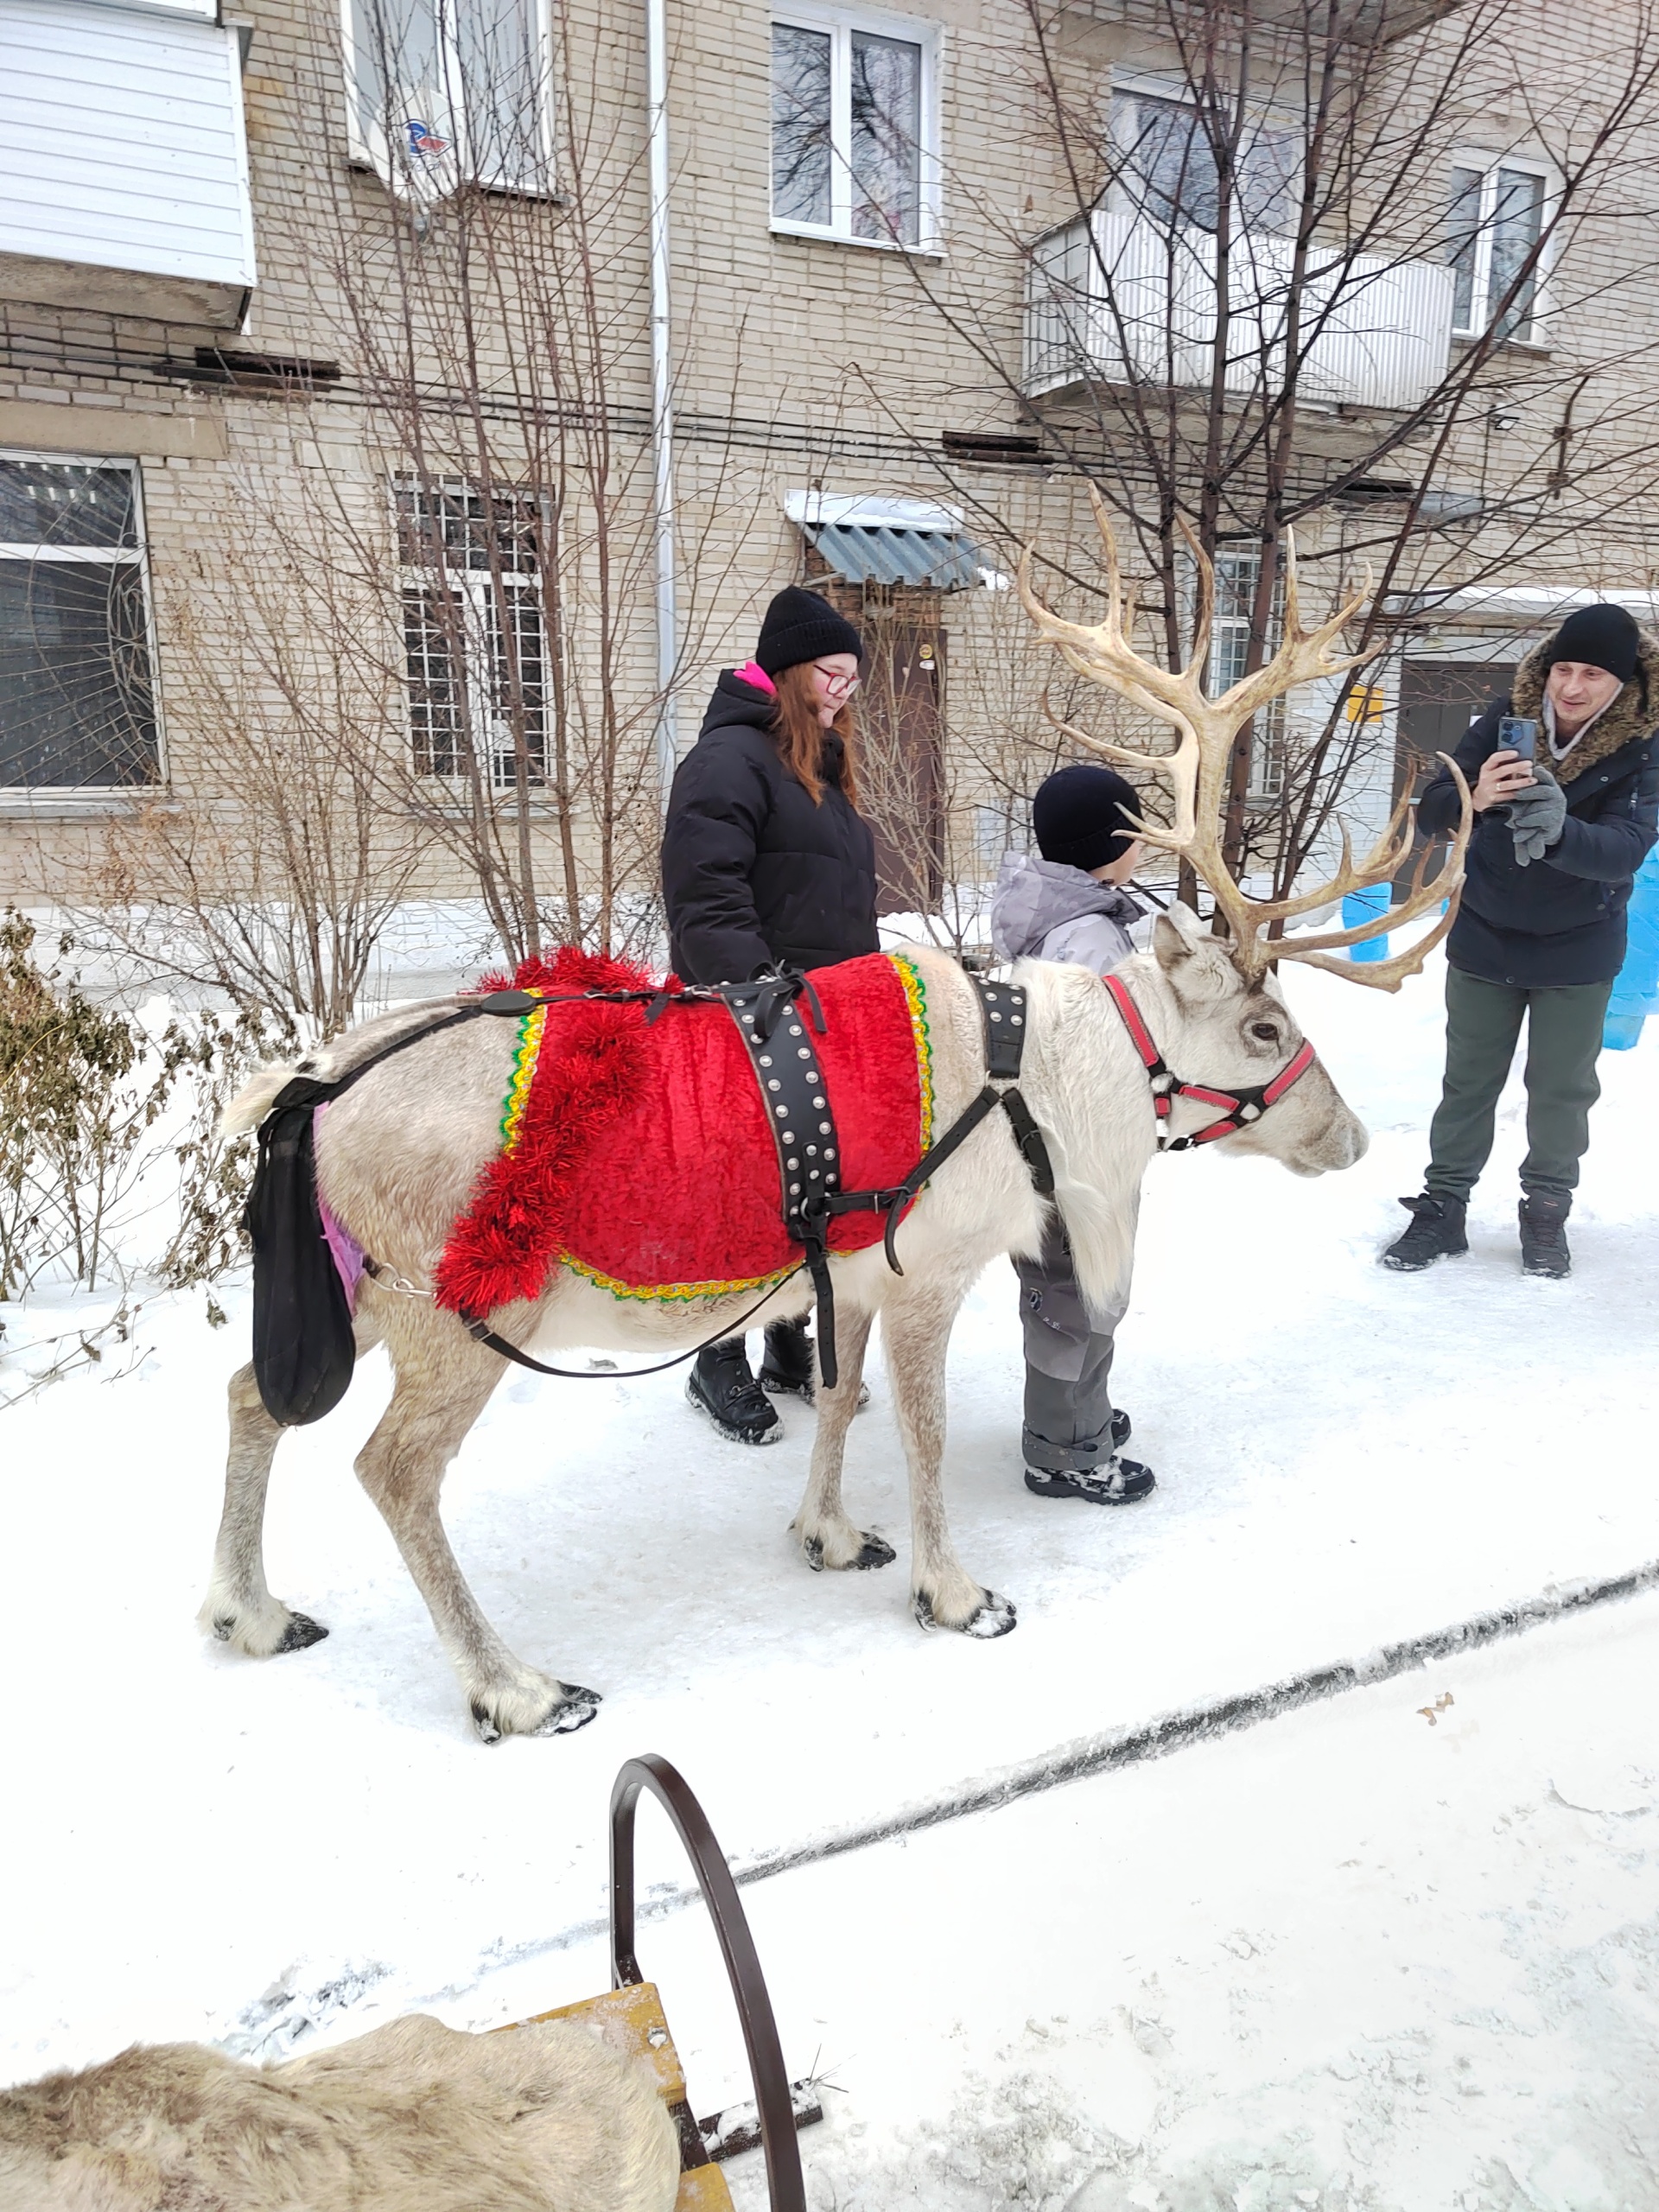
(398, 1154)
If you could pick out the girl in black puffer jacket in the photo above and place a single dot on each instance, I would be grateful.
(767, 860)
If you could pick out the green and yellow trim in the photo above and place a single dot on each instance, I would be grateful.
(915, 990)
(531, 1026)
(673, 1293)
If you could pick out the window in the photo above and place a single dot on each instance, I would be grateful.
(474, 639)
(851, 135)
(77, 701)
(1494, 221)
(1237, 575)
(1168, 166)
(441, 90)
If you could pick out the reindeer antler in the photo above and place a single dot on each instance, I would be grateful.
(1198, 768)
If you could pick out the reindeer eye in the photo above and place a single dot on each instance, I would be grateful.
(1265, 1031)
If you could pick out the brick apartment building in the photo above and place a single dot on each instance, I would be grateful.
(348, 385)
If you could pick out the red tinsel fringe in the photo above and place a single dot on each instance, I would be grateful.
(589, 1069)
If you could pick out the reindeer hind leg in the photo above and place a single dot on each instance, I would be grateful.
(828, 1538)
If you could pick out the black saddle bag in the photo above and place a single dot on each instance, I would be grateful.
(303, 1346)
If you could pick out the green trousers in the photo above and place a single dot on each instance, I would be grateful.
(1483, 1026)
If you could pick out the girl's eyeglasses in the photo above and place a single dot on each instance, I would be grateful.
(838, 686)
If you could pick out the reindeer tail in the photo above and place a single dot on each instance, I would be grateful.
(255, 1100)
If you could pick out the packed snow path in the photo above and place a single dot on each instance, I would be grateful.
(206, 1846)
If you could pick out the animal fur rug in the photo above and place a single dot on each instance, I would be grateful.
(641, 1155)
(413, 2118)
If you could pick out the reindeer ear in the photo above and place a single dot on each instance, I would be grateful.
(1176, 935)
(1195, 963)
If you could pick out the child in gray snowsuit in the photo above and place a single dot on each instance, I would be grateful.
(1071, 906)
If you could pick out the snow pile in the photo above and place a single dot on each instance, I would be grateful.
(204, 1847)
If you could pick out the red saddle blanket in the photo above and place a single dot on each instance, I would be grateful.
(642, 1156)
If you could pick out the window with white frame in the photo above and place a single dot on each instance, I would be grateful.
(77, 692)
(1237, 575)
(853, 151)
(442, 90)
(1494, 221)
(475, 635)
(1166, 167)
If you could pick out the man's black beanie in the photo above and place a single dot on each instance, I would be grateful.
(799, 626)
(1602, 636)
(1081, 816)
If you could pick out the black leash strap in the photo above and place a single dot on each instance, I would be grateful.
(314, 1090)
(484, 1334)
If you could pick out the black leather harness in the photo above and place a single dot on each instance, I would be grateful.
(778, 1032)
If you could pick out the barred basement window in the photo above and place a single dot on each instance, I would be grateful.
(474, 640)
(76, 697)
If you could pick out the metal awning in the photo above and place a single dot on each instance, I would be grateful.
(877, 541)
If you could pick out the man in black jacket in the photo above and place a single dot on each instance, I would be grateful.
(767, 860)
(1540, 931)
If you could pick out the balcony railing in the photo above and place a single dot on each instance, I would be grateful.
(1117, 299)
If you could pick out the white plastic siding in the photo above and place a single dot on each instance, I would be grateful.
(122, 143)
(1119, 298)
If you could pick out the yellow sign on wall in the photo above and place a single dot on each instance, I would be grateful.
(1365, 703)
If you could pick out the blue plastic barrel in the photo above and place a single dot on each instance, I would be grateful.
(1636, 994)
(1365, 905)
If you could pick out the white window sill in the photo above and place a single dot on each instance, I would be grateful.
(26, 802)
(1539, 348)
(864, 246)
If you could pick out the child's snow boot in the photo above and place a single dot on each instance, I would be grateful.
(722, 1386)
(1543, 1235)
(1436, 1232)
(1116, 1481)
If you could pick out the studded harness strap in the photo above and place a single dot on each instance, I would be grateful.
(1239, 1108)
(802, 1123)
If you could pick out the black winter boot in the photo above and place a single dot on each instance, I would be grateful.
(787, 1370)
(1543, 1235)
(1117, 1481)
(1436, 1232)
(720, 1385)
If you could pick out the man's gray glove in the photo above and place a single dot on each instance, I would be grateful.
(1536, 816)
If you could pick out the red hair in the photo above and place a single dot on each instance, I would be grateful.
(800, 735)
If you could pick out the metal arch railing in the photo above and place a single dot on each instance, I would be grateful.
(784, 2184)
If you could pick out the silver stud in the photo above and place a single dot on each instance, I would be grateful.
(813, 1173)
(826, 1128)
(794, 1028)
(817, 1101)
(749, 1017)
(794, 1163)
(811, 1152)
(782, 1110)
(794, 1190)
(829, 1151)
(773, 1083)
(803, 1052)
(1016, 1019)
(765, 1059)
(996, 1017)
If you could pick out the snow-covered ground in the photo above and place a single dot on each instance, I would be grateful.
(1168, 1979)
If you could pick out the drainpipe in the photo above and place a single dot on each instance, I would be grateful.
(662, 396)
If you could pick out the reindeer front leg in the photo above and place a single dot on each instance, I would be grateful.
(916, 1328)
(444, 1381)
(828, 1537)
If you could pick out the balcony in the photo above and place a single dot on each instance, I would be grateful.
(1115, 299)
(126, 162)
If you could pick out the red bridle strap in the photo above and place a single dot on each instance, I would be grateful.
(1238, 1108)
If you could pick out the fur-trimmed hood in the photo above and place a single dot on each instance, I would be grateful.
(1633, 713)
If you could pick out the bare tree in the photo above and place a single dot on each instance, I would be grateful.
(1268, 288)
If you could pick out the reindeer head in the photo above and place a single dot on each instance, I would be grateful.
(1197, 771)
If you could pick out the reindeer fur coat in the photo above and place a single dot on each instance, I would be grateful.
(412, 2118)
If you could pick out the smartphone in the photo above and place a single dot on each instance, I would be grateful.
(1518, 735)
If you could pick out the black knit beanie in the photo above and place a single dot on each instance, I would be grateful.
(1602, 636)
(1081, 817)
(799, 626)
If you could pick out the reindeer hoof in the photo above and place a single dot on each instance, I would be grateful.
(875, 1551)
(301, 1630)
(576, 1708)
(996, 1617)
